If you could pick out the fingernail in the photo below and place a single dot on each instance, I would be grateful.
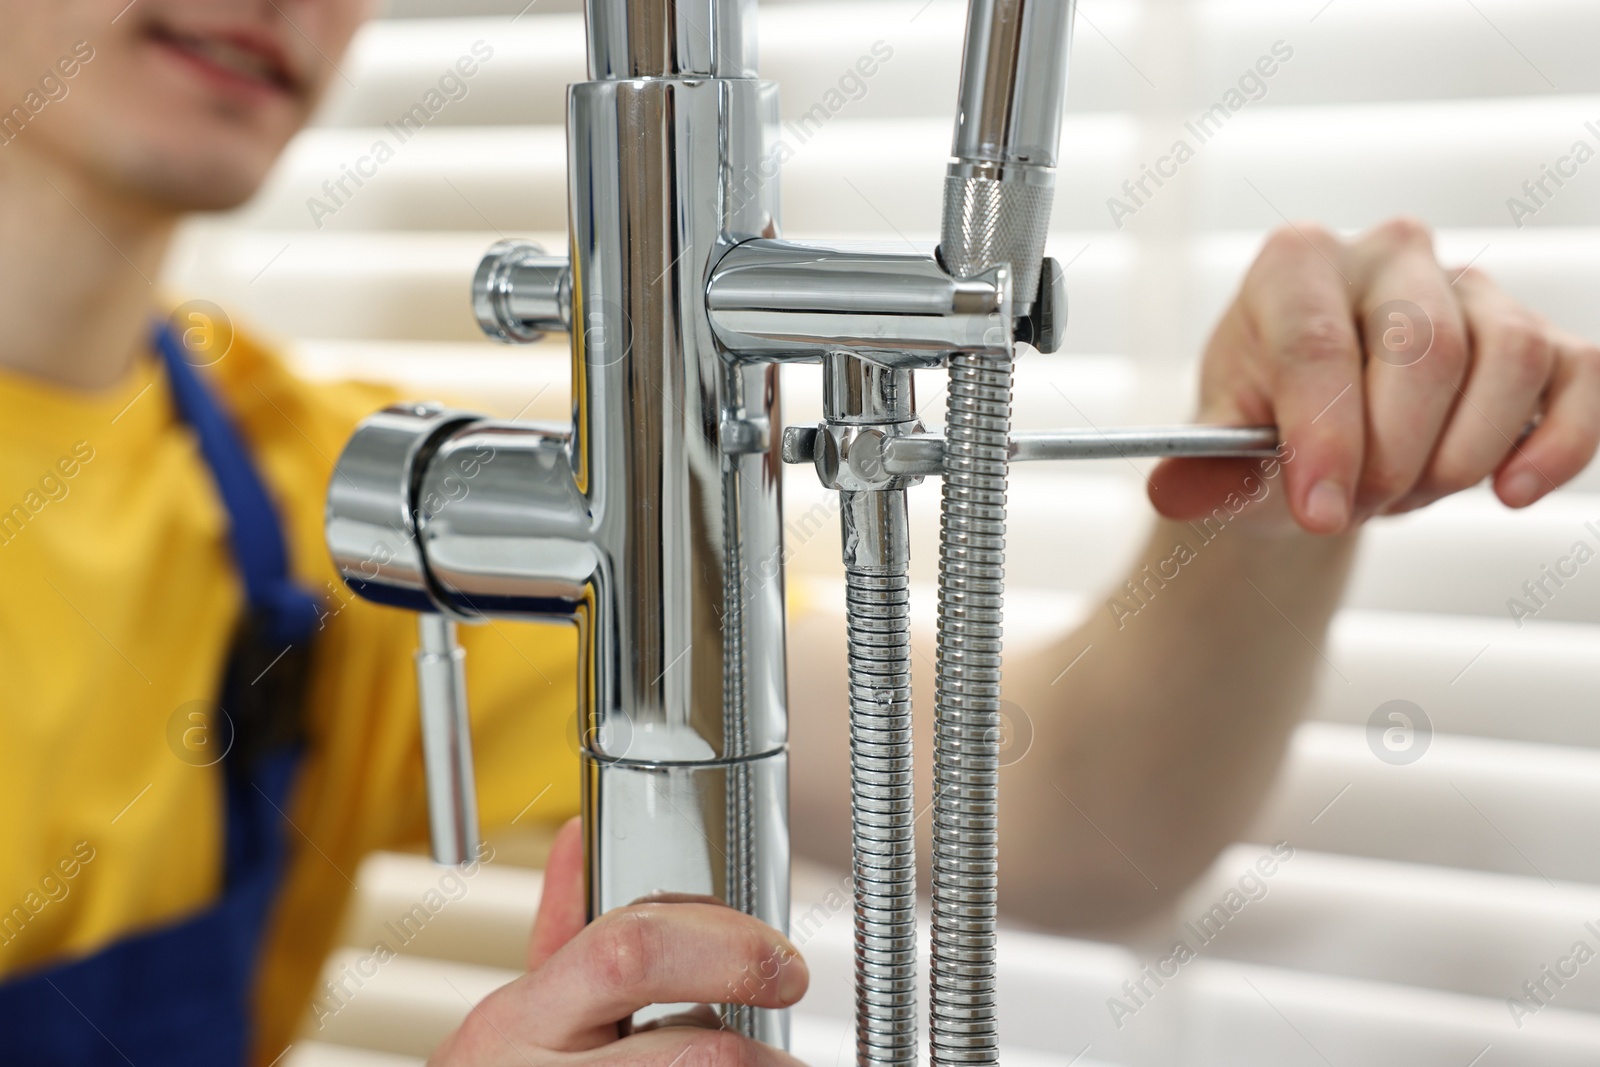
(1326, 506)
(1521, 488)
(793, 978)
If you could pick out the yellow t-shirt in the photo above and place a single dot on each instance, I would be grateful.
(119, 603)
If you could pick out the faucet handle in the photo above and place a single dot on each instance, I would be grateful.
(374, 511)
(446, 742)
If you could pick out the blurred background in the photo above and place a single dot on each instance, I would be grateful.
(1444, 863)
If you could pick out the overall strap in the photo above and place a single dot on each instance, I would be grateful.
(288, 613)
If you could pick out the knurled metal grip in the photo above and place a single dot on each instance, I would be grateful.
(995, 215)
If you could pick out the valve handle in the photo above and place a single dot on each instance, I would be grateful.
(446, 742)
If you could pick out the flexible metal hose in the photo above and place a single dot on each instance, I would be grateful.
(738, 856)
(963, 1023)
(878, 622)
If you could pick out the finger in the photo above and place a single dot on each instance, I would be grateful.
(562, 909)
(647, 954)
(1415, 338)
(1513, 358)
(1297, 299)
(1566, 438)
(483, 1041)
(691, 1047)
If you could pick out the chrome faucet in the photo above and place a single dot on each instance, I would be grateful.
(653, 521)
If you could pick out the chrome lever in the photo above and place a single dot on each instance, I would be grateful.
(923, 454)
(920, 455)
(374, 509)
(446, 742)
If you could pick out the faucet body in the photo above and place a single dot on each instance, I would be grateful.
(684, 714)
(653, 521)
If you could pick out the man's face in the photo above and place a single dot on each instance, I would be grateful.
(180, 104)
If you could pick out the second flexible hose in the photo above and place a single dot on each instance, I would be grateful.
(963, 1022)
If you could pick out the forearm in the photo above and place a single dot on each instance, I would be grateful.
(1159, 723)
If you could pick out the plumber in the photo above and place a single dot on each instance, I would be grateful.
(192, 699)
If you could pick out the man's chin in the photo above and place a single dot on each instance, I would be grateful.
(184, 186)
(220, 195)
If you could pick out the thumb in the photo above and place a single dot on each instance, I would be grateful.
(562, 908)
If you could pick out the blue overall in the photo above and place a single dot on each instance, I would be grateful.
(179, 995)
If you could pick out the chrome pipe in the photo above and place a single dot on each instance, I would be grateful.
(1013, 81)
(687, 754)
(682, 793)
(671, 39)
(653, 521)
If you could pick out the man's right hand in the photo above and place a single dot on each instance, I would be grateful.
(584, 978)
